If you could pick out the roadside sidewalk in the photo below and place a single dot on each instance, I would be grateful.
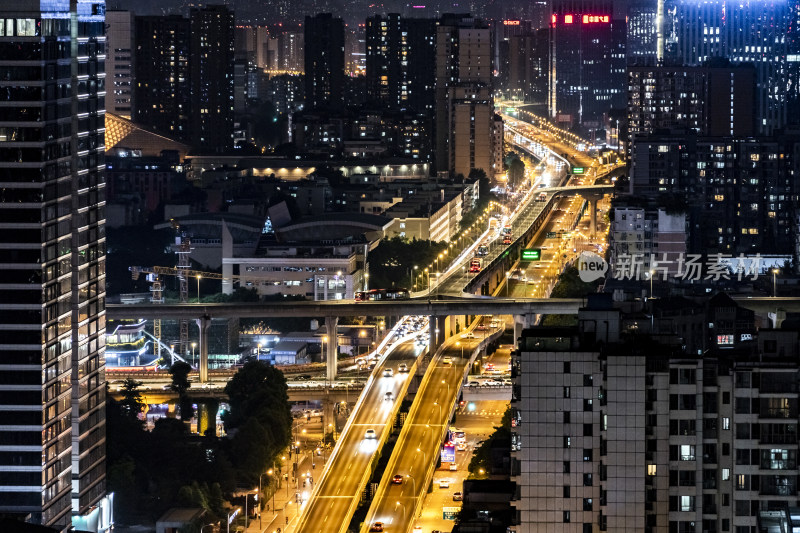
(283, 510)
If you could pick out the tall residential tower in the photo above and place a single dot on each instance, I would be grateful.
(52, 261)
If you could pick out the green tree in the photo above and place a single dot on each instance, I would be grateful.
(516, 172)
(392, 262)
(477, 174)
(260, 411)
(131, 403)
(481, 459)
(180, 384)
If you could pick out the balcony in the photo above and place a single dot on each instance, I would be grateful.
(778, 438)
(778, 413)
(779, 464)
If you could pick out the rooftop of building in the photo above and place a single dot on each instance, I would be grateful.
(123, 132)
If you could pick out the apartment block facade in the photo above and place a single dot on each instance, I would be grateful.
(620, 427)
(464, 95)
(740, 193)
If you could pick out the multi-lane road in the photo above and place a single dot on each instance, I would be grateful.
(396, 504)
(339, 489)
(416, 451)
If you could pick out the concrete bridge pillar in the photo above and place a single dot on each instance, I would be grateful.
(203, 324)
(332, 352)
(328, 416)
(521, 322)
(432, 335)
(592, 199)
(441, 325)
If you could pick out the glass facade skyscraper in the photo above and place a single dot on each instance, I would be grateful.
(52, 259)
(763, 33)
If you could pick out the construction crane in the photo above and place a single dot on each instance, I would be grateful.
(157, 294)
(136, 271)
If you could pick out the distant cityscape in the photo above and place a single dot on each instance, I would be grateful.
(513, 267)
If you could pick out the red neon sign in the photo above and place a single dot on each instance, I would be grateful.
(567, 19)
(590, 19)
(553, 19)
(511, 23)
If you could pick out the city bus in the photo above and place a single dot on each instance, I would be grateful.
(457, 436)
(381, 294)
(507, 235)
(475, 264)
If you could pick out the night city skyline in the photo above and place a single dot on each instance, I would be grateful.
(440, 266)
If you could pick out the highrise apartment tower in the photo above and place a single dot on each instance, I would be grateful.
(161, 87)
(212, 64)
(119, 62)
(464, 99)
(587, 62)
(401, 61)
(765, 34)
(324, 61)
(52, 259)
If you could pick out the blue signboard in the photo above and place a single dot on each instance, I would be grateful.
(448, 454)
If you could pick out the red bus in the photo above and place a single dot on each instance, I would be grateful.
(475, 264)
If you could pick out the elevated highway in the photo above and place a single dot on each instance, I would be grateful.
(443, 306)
(157, 392)
(416, 451)
(338, 491)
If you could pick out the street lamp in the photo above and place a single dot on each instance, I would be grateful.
(458, 343)
(194, 345)
(205, 526)
(424, 459)
(366, 282)
(261, 475)
(652, 273)
(440, 409)
(774, 283)
(198, 288)
(508, 276)
(448, 387)
(414, 481)
(404, 509)
(232, 513)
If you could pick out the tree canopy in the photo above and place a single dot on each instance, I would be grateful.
(260, 417)
(393, 261)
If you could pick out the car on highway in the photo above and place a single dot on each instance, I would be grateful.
(461, 446)
(453, 467)
(457, 496)
(376, 526)
(402, 367)
(388, 396)
(397, 479)
(447, 360)
(370, 434)
(468, 335)
(417, 529)
(444, 483)
(388, 372)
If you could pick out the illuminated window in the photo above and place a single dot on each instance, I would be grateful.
(651, 470)
(567, 19)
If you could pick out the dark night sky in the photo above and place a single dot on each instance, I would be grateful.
(353, 11)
